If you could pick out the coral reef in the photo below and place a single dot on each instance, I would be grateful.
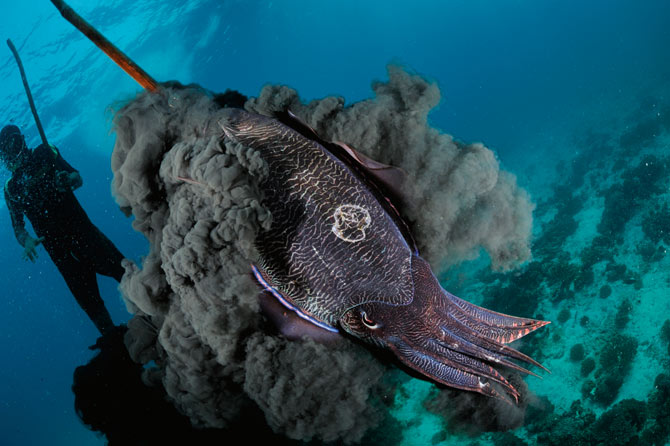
(598, 251)
(624, 199)
(564, 315)
(657, 430)
(629, 422)
(605, 291)
(577, 353)
(588, 365)
(650, 252)
(665, 331)
(594, 260)
(615, 362)
(571, 427)
(623, 314)
(642, 134)
(621, 424)
(656, 223)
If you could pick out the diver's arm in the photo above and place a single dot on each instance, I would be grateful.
(68, 180)
(21, 235)
(16, 215)
(29, 243)
(67, 177)
(76, 179)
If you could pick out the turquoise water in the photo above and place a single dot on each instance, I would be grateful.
(573, 99)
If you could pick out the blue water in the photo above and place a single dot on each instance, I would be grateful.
(521, 76)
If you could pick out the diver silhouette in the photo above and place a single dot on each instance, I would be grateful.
(41, 188)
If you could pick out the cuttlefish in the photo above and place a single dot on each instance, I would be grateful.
(341, 258)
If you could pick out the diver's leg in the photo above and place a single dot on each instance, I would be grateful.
(87, 294)
(83, 284)
(101, 253)
(109, 264)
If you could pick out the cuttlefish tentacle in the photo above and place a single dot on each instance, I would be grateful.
(451, 357)
(450, 374)
(488, 337)
(490, 344)
(436, 336)
(449, 339)
(498, 327)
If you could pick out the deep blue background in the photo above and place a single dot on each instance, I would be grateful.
(517, 75)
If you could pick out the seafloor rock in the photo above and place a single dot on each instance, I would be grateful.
(615, 362)
(656, 223)
(577, 352)
(588, 365)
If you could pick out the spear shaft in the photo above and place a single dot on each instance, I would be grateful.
(108, 47)
(28, 93)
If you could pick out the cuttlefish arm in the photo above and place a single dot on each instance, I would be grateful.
(444, 338)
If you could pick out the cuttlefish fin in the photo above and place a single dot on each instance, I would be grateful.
(289, 319)
(289, 324)
(296, 123)
(393, 178)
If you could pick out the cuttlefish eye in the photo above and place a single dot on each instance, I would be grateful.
(368, 322)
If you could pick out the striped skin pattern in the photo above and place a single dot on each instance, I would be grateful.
(336, 255)
(312, 255)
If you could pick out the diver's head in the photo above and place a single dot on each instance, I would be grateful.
(12, 147)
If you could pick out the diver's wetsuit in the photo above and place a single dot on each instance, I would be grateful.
(75, 245)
